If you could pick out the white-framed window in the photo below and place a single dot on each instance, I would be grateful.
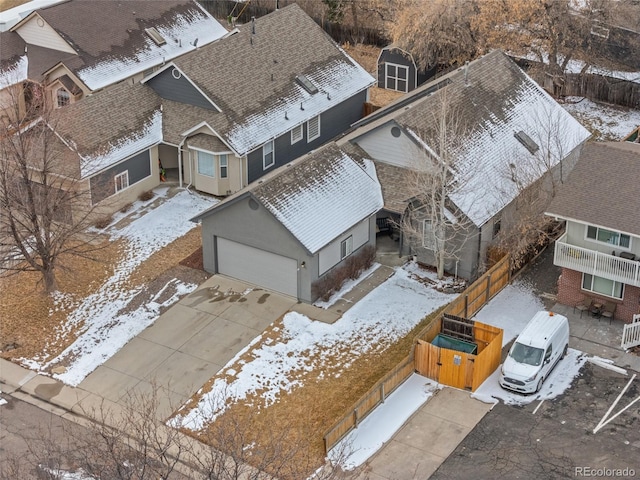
(603, 286)
(397, 77)
(296, 134)
(313, 128)
(608, 236)
(206, 165)
(121, 180)
(268, 157)
(63, 97)
(346, 247)
(224, 165)
(428, 235)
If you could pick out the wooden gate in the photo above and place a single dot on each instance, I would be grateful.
(631, 333)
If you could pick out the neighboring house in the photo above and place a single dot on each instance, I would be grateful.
(213, 121)
(397, 70)
(518, 140)
(274, 89)
(600, 250)
(295, 226)
(66, 51)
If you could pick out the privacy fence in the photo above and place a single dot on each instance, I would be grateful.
(487, 338)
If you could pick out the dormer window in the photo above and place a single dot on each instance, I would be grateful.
(63, 97)
(155, 36)
(305, 83)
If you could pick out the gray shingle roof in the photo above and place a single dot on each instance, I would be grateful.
(110, 39)
(602, 189)
(316, 197)
(252, 77)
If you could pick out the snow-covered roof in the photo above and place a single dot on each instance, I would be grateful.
(502, 107)
(10, 17)
(256, 80)
(16, 73)
(317, 197)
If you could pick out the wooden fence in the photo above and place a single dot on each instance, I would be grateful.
(369, 401)
(467, 304)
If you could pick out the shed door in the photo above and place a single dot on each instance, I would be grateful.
(259, 267)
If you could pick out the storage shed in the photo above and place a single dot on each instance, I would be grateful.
(397, 70)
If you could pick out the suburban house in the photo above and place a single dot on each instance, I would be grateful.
(297, 224)
(211, 121)
(514, 145)
(51, 55)
(274, 89)
(600, 250)
(397, 70)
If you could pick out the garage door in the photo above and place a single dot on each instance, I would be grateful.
(253, 265)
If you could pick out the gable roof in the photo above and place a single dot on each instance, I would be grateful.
(109, 126)
(602, 189)
(254, 79)
(13, 60)
(497, 100)
(118, 46)
(317, 197)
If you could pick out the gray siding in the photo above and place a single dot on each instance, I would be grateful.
(333, 122)
(178, 89)
(416, 76)
(102, 185)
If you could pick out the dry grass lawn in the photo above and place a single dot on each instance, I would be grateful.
(8, 4)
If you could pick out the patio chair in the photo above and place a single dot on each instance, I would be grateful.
(608, 311)
(583, 305)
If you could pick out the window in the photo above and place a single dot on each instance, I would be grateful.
(155, 35)
(313, 128)
(296, 134)
(62, 97)
(497, 226)
(268, 158)
(428, 236)
(608, 236)
(547, 355)
(305, 83)
(397, 77)
(121, 180)
(205, 164)
(346, 247)
(224, 165)
(602, 286)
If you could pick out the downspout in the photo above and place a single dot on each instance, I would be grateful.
(479, 249)
(180, 160)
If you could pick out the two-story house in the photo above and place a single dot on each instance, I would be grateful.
(63, 52)
(600, 250)
(220, 117)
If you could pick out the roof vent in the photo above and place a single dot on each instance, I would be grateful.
(155, 35)
(305, 83)
(527, 141)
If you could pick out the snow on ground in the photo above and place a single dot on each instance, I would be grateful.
(347, 287)
(511, 310)
(386, 314)
(2, 400)
(103, 312)
(607, 122)
(383, 422)
(560, 379)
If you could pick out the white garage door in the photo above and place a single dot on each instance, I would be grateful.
(253, 265)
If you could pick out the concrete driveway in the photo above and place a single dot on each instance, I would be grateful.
(188, 344)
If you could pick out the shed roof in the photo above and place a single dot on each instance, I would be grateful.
(602, 189)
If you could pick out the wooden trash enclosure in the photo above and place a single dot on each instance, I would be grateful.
(455, 367)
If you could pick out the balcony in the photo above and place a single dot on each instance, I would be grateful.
(596, 263)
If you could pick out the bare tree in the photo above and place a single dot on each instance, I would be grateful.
(438, 32)
(45, 205)
(433, 222)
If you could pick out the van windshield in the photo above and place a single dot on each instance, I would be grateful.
(525, 354)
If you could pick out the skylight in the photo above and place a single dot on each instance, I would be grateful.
(306, 84)
(155, 36)
(527, 141)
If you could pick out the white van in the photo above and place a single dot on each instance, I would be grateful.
(540, 346)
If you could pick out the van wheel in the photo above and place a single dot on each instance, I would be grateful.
(565, 351)
(539, 386)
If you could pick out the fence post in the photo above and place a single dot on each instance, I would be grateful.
(466, 305)
(382, 391)
(488, 292)
(355, 417)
